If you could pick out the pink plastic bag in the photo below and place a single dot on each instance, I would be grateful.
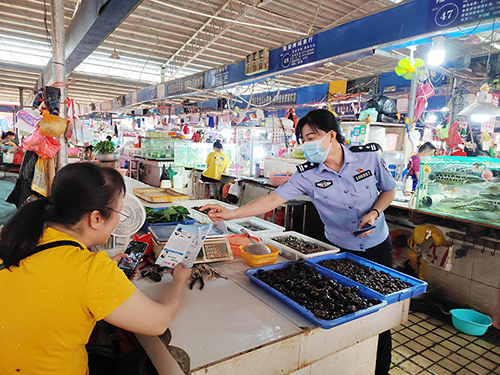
(45, 147)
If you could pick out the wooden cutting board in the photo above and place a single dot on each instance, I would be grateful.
(159, 195)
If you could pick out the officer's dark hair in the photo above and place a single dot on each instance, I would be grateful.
(320, 119)
(218, 144)
(427, 146)
(78, 189)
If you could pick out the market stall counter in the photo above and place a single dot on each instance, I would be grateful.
(233, 326)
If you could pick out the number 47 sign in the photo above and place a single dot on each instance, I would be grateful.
(452, 13)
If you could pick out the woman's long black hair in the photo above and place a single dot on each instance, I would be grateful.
(77, 189)
(7, 133)
(321, 119)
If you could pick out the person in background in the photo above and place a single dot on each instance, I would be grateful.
(57, 291)
(8, 138)
(350, 187)
(427, 149)
(88, 153)
(217, 162)
(108, 138)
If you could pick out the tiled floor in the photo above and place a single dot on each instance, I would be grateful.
(425, 345)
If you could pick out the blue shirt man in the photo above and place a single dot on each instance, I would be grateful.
(343, 198)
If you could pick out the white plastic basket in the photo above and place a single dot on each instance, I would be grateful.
(268, 228)
(295, 254)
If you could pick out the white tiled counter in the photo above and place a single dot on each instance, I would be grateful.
(233, 327)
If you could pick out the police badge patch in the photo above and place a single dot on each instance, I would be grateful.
(324, 184)
(363, 175)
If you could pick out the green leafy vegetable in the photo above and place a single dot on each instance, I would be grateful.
(104, 147)
(167, 215)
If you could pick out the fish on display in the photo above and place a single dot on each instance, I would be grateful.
(493, 188)
(454, 178)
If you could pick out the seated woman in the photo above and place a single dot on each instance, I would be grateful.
(54, 292)
(8, 138)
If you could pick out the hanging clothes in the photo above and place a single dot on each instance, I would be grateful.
(424, 91)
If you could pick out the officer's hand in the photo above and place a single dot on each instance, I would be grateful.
(369, 218)
(218, 212)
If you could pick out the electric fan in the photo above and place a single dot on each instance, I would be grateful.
(132, 217)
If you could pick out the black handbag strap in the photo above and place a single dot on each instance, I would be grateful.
(50, 245)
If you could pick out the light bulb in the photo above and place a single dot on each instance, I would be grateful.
(436, 53)
(435, 57)
(480, 118)
(431, 118)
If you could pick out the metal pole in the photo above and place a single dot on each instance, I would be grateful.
(455, 107)
(413, 99)
(21, 99)
(59, 67)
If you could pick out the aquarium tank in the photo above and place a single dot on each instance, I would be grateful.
(466, 188)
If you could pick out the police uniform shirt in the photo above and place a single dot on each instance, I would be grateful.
(343, 198)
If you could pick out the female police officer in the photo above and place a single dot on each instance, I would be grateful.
(350, 187)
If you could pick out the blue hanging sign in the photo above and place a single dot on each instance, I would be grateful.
(452, 13)
(297, 53)
(217, 77)
(185, 85)
(287, 97)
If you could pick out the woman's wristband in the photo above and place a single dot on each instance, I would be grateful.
(377, 211)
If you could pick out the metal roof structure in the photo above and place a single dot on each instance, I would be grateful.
(169, 39)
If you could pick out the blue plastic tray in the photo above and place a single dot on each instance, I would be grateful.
(325, 324)
(418, 286)
(187, 221)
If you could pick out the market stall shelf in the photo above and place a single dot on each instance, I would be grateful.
(159, 195)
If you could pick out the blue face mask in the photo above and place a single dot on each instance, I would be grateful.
(314, 152)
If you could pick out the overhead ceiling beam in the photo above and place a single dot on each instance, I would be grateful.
(92, 23)
(209, 42)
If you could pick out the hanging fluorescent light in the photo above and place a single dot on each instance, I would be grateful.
(437, 53)
(483, 108)
(114, 55)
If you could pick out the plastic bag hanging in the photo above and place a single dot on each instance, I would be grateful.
(52, 125)
(44, 175)
(45, 147)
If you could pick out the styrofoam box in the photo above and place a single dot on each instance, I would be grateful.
(271, 228)
(417, 286)
(295, 254)
(199, 216)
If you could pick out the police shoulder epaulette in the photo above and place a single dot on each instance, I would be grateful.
(368, 147)
(306, 166)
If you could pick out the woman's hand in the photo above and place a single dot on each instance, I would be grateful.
(118, 257)
(218, 212)
(180, 274)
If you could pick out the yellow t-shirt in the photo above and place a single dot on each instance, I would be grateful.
(217, 162)
(50, 304)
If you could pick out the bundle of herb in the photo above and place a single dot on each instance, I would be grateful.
(104, 147)
(167, 215)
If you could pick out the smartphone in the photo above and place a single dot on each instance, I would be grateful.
(366, 228)
(135, 251)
